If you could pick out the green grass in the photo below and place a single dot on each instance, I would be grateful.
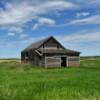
(22, 82)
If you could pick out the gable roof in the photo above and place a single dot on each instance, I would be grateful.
(38, 44)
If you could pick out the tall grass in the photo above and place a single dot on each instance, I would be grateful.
(23, 82)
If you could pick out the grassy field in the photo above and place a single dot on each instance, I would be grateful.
(22, 82)
(9, 60)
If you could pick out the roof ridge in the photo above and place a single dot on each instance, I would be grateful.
(37, 44)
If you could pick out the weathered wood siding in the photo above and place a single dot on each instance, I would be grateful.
(74, 61)
(51, 44)
(30, 57)
(49, 60)
(52, 62)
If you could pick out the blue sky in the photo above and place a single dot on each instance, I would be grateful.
(75, 23)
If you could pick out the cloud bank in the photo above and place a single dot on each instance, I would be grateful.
(25, 11)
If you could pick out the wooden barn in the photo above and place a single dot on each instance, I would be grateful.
(50, 53)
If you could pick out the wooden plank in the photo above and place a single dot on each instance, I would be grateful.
(52, 61)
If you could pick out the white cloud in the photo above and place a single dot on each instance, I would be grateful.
(15, 29)
(93, 1)
(17, 14)
(89, 2)
(79, 14)
(84, 36)
(95, 19)
(25, 11)
(57, 5)
(11, 34)
(44, 21)
(35, 26)
(87, 42)
(23, 36)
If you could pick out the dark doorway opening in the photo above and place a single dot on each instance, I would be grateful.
(63, 61)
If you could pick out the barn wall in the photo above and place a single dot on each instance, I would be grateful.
(49, 60)
(41, 62)
(31, 57)
(74, 61)
(52, 62)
